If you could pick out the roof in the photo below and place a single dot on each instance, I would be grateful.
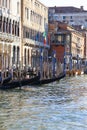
(68, 9)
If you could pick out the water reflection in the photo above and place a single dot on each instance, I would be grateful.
(58, 106)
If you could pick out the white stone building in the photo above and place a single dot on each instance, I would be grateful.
(69, 14)
(9, 33)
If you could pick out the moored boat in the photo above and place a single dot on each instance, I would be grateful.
(7, 79)
(50, 80)
(19, 83)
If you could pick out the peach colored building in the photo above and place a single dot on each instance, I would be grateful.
(66, 41)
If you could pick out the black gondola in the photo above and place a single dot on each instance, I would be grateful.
(47, 81)
(7, 79)
(19, 83)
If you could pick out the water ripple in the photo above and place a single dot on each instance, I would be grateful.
(58, 106)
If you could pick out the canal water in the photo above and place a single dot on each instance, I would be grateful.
(58, 106)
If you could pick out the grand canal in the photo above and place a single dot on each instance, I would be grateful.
(58, 106)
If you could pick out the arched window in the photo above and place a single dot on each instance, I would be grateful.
(0, 2)
(4, 25)
(10, 26)
(7, 26)
(13, 27)
(25, 56)
(14, 49)
(18, 55)
(18, 30)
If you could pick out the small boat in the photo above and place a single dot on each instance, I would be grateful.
(7, 79)
(85, 71)
(19, 83)
(0, 77)
(47, 81)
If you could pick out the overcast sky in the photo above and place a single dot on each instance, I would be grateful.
(75, 3)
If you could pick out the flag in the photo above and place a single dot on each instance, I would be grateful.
(37, 36)
(44, 35)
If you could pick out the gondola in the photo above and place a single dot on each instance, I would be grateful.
(50, 80)
(7, 79)
(19, 83)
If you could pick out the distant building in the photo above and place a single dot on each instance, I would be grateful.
(34, 23)
(70, 15)
(76, 17)
(66, 41)
(84, 32)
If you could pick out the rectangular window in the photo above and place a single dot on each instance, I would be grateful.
(9, 3)
(6, 3)
(70, 17)
(26, 13)
(3, 3)
(17, 7)
(64, 17)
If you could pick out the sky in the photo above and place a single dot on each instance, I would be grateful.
(75, 3)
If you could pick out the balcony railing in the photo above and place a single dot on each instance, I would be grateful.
(59, 43)
(34, 43)
(8, 37)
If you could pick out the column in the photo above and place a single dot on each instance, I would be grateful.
(64, 66)
(7, 62)
(16, 56)
(26, 57)
(11, 57)
(30, 56)
(54, 62)
(2, 23)
(3, 55)
(41, 63)
(23, 57)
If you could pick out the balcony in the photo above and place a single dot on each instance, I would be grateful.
(8, 37)
(58, 43)
(34, 43)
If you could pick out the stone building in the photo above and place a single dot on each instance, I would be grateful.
(9, 33)
(76, 17)
(34, 23)
(70, 15)
(67, 42)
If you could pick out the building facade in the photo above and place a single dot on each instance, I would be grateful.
(70, 15)
(34, 23)
(9, 33)
(76, 17)
(68, 43)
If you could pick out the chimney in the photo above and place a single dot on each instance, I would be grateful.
(82, 8)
